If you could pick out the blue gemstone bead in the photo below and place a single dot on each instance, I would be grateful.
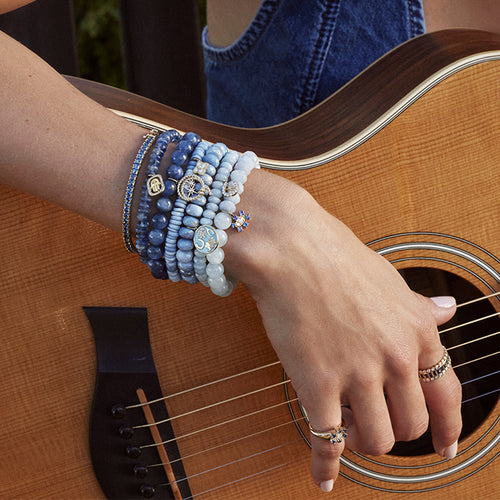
(155, 253)
(156, 237)
(164, 204)
(184, 256)
(159, 221)
(175, 172)
(179, 157)
(194, 210)
(170, 188)
(192, 137)
(156, 266)
(190, 221)
(184, 244)
(186, 233)
(212, 158)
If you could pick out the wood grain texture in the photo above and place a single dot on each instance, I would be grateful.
(434, 168)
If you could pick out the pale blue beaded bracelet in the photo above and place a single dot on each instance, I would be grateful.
(206, 171)
(219, 283)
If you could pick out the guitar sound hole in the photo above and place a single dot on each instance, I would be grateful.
(477, 377)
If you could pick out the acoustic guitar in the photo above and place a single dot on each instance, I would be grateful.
(108, 389)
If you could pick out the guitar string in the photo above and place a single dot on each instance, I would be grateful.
(232, 462)
(250, 476)
(206, 450)
(204, 429)
(221, 445)
(253, 370)
(278, 384)
(248, 456)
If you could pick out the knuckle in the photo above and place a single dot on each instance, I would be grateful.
(378, 448)
(412, 431)
(328, 453)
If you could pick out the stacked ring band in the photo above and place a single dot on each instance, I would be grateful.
(438, 370)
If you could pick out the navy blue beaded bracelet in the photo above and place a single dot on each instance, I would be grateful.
(160, 221)
(152, 184)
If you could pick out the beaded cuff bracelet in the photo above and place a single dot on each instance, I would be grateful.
(149, 139)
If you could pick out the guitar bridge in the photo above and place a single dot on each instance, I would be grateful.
(132, 455)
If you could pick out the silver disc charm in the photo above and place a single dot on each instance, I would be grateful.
(206, 239)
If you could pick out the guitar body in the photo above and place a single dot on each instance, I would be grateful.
(407, 158)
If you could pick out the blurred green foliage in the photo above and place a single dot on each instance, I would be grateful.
(99, 40)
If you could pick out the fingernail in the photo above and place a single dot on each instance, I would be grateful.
(444, 301)
(327, 486)
(451, 451)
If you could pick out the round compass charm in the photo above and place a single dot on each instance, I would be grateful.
(191, 187)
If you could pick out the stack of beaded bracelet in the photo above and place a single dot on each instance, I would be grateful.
(184, 238)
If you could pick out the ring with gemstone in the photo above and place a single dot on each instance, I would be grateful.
(336, 435)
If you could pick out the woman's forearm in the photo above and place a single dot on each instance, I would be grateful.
(59, 145)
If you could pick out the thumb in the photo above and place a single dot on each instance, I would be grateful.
(443, 308)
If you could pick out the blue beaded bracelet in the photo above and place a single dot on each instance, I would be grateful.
(186, 186)
(149, 139)
(151, 185)
(168, 188)
(206, 170)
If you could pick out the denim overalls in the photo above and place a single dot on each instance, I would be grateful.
(296, 53)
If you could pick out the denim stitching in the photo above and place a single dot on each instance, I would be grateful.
(247, 40)
(416, 15)
(318, 57)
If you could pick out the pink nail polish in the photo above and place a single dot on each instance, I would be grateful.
(327, 486)
(444, 301)
(451, 451)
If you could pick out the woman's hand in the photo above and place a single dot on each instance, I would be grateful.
(345, 326)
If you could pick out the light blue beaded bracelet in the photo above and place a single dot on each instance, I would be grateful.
(206, 170)
(208, 240)
(149, 139)
(225, 218)
(187, 186)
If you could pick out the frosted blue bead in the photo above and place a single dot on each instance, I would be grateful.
(155, 253)
(212, 206)
(222, 173)
(217, 193)
(164, 204)
(190, 221)
(184, 256)
(214, 199)
(184, 244)
(205, 221)
(194, 210)
(228, 206)
(215, 270)
(217, 184)
(239, 176)
(210, 214)
(156, 237)
(207, 179)
(186, 233)
(159, 221)
(202, 201)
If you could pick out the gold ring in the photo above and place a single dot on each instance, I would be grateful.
(336, 435)
(438, 370)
